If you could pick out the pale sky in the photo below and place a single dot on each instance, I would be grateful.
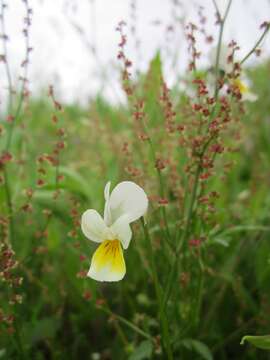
(60, 56)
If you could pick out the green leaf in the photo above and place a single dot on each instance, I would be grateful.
(261, 342)
(72, 181)
(152, 87)
(221, 241)
(143, 351)
(45, 199)
(199, 347)
(45, 328)
(54, 238)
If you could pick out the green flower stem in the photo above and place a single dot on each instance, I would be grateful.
(124, 321)
(199, 295)
(258, 43)
(12, 125)
(21, 97)
(160, 179)
(10, 105)
(183, 238)
(9, 205)
(6, 64)
(220, 36)
(121, 333)
(163, 317)
(21, 354)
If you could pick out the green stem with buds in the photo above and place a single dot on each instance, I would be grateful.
(258, 43)
(220, 36)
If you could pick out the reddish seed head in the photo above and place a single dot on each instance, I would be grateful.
(203, 199)
(143, 137)
(100, 302)
(54, 119)
(214, 194)
(197, 107)
(27, 208)
(205, 176)
(47, 212)
(160, 164)
(61, 132)
(57, 105)
(210, 101)
(206, 112)
(10, 330)
(74, 212)
(29, 193)
(82, 257)
(73, 234)
(60, 177)
(60, 145)
(194, 242)
(184, 279)
(128, 63)
(258, 52)
(81, 274)
(163, 202)
(10, 118)
(217, 148)
(180, 128)
(41, 171)
(40, 182)
(265, 25)
(87, 295)
(5, 158)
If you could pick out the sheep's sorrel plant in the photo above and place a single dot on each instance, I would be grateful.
(190, 144)
(189, 203)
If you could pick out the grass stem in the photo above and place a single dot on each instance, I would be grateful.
(162, 314)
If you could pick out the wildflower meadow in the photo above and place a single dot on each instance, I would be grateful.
(138, 229)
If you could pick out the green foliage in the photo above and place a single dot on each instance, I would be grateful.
(143, 351)
(261, 342)
(198, 347)
(221, 291)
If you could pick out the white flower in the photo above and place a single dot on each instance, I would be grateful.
(127, 203)
(242, 83)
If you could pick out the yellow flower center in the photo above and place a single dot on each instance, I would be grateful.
(243, 88)
(109, 254)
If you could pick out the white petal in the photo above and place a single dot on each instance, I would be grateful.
(128, 198)
(249, 96)
(93, 226)
(107, 190)
(122, 230)
(107, 211)
(108, 262)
